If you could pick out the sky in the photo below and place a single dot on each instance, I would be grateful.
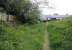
(61, 7)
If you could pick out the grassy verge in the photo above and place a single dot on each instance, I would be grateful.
(24, 37)
(31, 37)
(60, 35)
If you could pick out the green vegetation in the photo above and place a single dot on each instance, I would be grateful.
(24, 37)
(31, 37)
(22, 10)
(61, 34)
(29, 34)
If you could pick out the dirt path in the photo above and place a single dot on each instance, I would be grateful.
(46, 41)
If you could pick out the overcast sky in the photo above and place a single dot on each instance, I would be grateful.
(61, 7)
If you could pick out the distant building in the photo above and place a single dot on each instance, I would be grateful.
(5, 17)
(52, 17)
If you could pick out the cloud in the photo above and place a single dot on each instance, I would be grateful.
(62, 7)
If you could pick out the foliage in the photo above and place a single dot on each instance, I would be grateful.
(30, 37)
(24, 37)
(60, 34)
(23, 10)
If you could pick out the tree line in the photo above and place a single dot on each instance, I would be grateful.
(23, 10)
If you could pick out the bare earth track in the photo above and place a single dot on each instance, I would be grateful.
(46, 36)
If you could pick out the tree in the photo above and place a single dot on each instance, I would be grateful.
(22, 9)
(2, 5)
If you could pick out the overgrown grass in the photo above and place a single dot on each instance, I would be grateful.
(31, 37)
(24, 37)
(60, 32)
